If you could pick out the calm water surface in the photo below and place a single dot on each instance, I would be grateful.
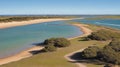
(14, 40)
(114, 23)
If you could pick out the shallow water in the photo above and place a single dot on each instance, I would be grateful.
(14, 40)
(114, 23)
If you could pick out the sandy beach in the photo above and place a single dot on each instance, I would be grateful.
(21, 23)
(26, 54)
(19, 56)
(86, 31)
(69, 59)
(83, 27)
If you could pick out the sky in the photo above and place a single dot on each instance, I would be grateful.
(61, 7)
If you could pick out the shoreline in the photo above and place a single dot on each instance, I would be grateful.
(29, 22)
(86, 31)
(26, 53)
(71, 60)
(83, 27)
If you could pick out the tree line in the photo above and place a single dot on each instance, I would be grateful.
(25, 18)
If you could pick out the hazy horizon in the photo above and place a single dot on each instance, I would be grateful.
(61, 7)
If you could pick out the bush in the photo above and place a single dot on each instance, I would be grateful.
(61, 42)
(109, 55)
(90, 52)
(104, 35)
(50, 48)
(57, 42)
(49, 41)
(115, 44)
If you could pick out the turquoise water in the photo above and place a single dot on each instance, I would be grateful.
(114, 23)
(14, 40)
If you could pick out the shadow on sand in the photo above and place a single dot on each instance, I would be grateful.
(37, 51)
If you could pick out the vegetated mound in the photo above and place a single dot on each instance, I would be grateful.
(57, 42)
(53, 43)
(90, 52)
(109, 53)
(50, 48)
(103, 35)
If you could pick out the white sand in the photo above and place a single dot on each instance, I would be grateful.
(20, 23)
(69, 59)
(19, 56)
(86, 32)
(26, 53)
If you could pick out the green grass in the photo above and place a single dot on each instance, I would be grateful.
(92, 65)
(56, 59)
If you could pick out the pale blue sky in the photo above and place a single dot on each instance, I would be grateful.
(59, 7)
